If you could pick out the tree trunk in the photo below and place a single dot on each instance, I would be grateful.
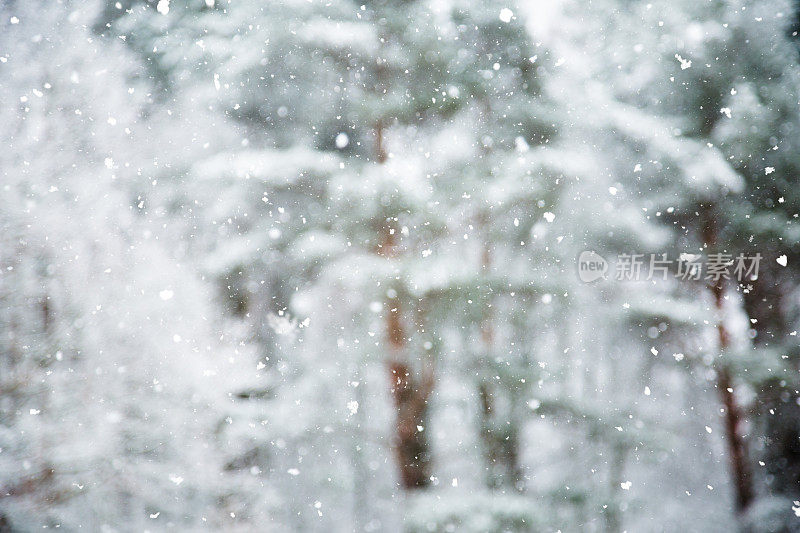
(499, 436)
(734, 439)
(409, 391)
(411, 444)
(500, 440)
(613, 511)
(410, 394)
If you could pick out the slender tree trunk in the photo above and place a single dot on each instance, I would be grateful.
(499, 436)
(735, 441)
(410, 394)
(380, 149)
(411, 445)
(613, 512)
(410, 391)
(500, 440)
(737, 445)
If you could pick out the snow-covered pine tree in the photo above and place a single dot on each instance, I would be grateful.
(107, 408)
(724, 76)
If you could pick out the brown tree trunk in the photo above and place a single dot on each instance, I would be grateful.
(737, 446)
(734, 438)
(410, 392)
(380, 150)
(411, 445)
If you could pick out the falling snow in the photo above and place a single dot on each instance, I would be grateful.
(361, 266)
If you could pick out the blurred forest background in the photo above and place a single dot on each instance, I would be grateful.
(310, 265)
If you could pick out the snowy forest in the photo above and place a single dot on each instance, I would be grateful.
(400, 265)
